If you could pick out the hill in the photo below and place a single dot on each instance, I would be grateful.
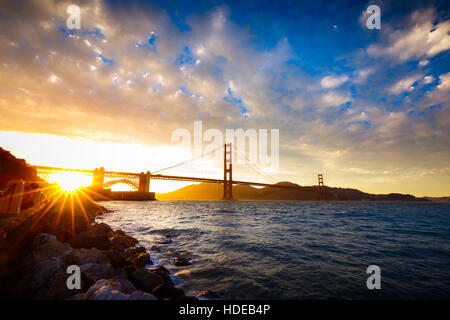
(214, 191)
(12, 168)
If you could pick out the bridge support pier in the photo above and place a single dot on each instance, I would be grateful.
(98, 179)
(227, 173)
(144, 182)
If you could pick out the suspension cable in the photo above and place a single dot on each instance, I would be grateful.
(187, 161)
(255, 167)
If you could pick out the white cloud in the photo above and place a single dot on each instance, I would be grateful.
(423, 63)
(428, 79)
(363, 75)
(333, 82)
(405, 84)
(334, 99)
(444, 81)
(420, 39)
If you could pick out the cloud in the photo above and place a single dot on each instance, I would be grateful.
(444, 82)
(421, 38)
(405, 84)
(132, 76)
(334, 99)
(363, 75)
(423, 63)
(333, 82)
(428, 79)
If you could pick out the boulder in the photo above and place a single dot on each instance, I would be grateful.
(145, 280)
(42, 238)
(103, 228)
(116, 257)
(179, 261)
(122, 242)
(208, 295)
(113, 289)
(140, 259)
(93, 271)
(91, 238)
(46, 246)
(49, 278)
(83, 256)
(134, 250)
(126, 286)
(163, 273)
(167, 291)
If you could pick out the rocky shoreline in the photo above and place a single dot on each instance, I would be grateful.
(36, 254)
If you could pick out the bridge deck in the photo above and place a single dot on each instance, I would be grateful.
(47, 169)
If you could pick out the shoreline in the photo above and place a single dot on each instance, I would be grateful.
(36, 253)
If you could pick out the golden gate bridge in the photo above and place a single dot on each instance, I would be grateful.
(140, 182)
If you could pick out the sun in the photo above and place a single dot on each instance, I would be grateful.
(69, 182)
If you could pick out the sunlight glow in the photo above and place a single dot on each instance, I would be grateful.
(70, 181)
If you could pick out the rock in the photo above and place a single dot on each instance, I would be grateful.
(49, 279)
(94, 271)
(126, 285)
(145, 280)
(45, 246)
(119, 232)
(116, 257)
(189, 298)
(119, 273)
(83, 256)
(112, 289)
(163, 272)
(42, 238)
(166, 291)
(208, 295)
(181, 261)
(103, 228)
(122, 242)
(90, 238)
(132, 251)
(129, 269)
(78, 296)
(139, 295)
(140, 259)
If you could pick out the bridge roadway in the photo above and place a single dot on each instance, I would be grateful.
(46, 169)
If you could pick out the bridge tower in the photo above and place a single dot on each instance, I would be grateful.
(227, 172)
(320, 176)
(98, 179)
(321, 187)
(144, 182)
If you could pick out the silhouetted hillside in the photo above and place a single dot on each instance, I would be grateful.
(213, 191)
(12, 168)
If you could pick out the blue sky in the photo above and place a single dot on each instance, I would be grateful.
(368, 108)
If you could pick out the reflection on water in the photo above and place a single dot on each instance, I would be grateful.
(295, 250)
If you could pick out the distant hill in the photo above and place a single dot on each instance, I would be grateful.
(438, 199)
(214, 191)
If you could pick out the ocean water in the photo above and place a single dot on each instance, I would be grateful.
(295, 250)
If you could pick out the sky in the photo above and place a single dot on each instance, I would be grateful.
(368, 108)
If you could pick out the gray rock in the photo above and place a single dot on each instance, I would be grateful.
(112, 289)
(166, 291)
(145, 280)
(94, 271)
(83, 256)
